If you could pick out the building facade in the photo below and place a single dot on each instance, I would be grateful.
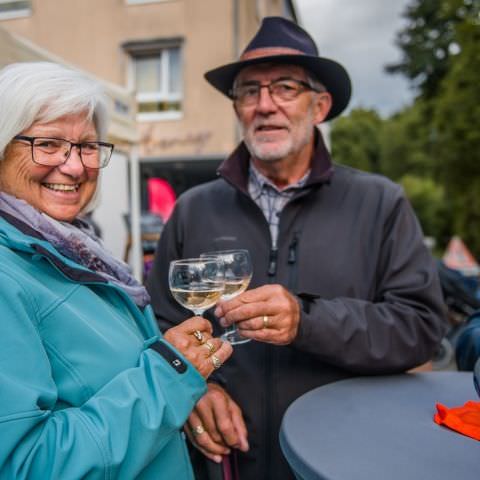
(158, 50)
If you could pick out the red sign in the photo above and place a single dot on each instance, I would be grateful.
(459, 257)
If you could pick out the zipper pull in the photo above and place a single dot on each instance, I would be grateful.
(272, 265)
(292, 249)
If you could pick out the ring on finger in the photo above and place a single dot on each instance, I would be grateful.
(210, 347)
(199, 336)
(217, 363)
(266, 321)
(198, 430)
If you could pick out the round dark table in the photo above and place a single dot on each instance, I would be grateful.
(381, 428)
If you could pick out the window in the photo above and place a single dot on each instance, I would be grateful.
(14, 9)
(157, 79)
(139, 2)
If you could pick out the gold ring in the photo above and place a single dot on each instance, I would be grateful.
(198, 430)
(216, 362)
(266, 321)
(210, 347)
(198, 335)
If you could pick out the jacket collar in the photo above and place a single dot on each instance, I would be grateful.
(21, 237)
(235, 168)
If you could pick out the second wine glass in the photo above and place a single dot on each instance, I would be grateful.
(238, 273)
(197, 283)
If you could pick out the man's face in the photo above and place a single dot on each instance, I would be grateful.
(275, 130)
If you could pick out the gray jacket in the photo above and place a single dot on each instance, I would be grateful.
(351, 250)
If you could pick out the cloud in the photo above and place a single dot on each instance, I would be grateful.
(360, 35)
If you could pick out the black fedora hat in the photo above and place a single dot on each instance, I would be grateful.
(281, 41)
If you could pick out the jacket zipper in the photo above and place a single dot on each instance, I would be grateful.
(270, 356)
(292, 261)
(272, 263)
(272, 273)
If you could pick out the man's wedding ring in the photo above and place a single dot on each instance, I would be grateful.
(198, 335)
(198, 430)
(216, 362)
(266, 321)
(210, 346)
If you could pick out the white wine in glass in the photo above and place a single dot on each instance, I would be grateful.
(238, 273)
(235, 287)
(197, 283)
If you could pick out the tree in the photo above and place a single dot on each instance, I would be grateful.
(441, 56)
(429, 41)
(428, 201)
(355, 140)
(406, 144)
(433, 146)
(456, 122)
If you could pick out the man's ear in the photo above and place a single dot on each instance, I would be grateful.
(323, 104)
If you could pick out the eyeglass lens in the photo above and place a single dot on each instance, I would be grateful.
(284, 90)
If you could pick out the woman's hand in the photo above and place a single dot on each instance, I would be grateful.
(193, 339)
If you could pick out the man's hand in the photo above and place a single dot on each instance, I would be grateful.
(216, 424)
(267, 314)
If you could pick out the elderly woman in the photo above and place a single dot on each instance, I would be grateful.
(88, 386)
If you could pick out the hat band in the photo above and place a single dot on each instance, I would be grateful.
(269, 51)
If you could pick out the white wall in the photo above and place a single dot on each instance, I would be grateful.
(113, 204)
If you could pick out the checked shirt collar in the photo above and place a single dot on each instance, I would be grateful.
(270, 198)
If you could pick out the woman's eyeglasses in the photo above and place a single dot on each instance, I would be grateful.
(52, 152)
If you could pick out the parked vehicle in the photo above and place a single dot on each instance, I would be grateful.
(461, 297)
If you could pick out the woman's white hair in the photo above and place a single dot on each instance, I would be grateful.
(34, 92)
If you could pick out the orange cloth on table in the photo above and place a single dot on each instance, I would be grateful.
(465, 420)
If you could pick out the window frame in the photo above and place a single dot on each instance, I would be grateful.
(159, 49)
(20, 12)
(145, 2)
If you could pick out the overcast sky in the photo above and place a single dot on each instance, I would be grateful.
(360, 35)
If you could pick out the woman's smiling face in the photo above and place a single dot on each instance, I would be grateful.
(62, 191)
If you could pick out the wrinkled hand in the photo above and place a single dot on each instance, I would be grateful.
(205, 354)
(267, 314)
(221, 422)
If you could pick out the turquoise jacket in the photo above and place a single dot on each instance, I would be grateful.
(82, 396)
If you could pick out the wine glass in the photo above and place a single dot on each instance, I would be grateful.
(238, 273)
(196, 283)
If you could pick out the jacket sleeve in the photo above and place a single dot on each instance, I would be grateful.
(400, 326)
(115, 434)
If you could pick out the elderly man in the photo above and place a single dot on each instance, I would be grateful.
(342, 282)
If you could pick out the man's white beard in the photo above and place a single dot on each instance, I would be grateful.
(264, 152)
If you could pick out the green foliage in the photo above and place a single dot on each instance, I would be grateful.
(466, 218)
(432, 147)
(428, 201)
(457, 114)
(430, 40)
(407, 144)
(457, 121)
(355, 140)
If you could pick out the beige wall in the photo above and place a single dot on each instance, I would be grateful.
(89, 33)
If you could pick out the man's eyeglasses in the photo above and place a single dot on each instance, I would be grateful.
(52, 152)
(282, 90)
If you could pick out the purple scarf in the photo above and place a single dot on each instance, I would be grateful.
(77, 242)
